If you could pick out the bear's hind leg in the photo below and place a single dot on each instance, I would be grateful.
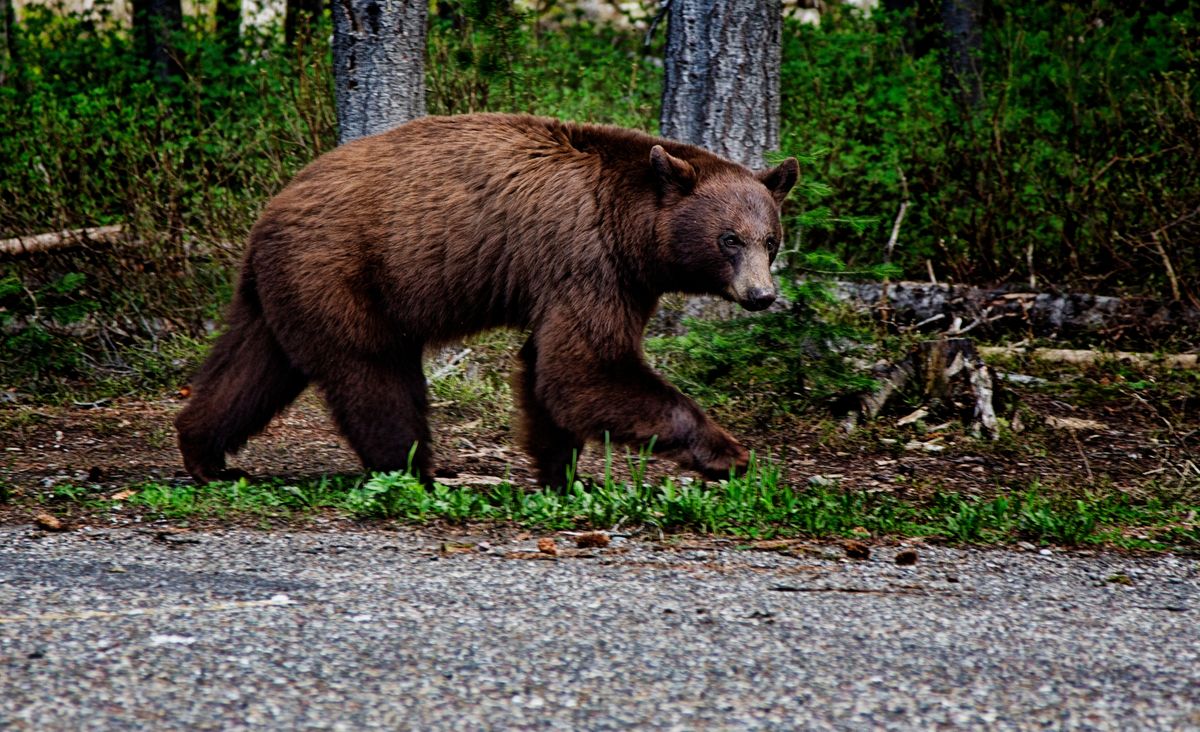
(553, 449)
(381, 408)
(246, 380)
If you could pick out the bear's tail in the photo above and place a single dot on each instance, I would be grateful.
(246, 380)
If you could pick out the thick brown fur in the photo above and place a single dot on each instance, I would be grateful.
(447, 226)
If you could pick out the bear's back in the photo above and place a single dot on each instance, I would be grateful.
(448, 225)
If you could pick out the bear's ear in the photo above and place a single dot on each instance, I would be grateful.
(780, 179)
(672, 173)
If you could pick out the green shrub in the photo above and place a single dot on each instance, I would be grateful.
(89, 136)
(1079, 167)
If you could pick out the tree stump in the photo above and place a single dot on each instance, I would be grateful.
(949, 371)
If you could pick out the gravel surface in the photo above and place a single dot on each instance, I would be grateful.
(125, 629)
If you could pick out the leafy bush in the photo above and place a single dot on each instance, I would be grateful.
(90, 136)
(775, 363)
(1078, 167)
(485, 55)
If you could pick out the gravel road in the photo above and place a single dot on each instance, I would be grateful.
(124, 629)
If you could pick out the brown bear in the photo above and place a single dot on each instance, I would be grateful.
(446, 226)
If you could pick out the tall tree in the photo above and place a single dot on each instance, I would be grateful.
(721, 88)
(299, 18)
(154, 22)
(960, 22)
(378, 64)
(955, 27)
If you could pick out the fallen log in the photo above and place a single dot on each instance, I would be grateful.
(958, 309)
(66, 239)
(1087, 358)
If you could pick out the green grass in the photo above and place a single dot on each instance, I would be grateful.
(755, 506)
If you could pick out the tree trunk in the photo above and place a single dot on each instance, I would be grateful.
(960, 21)
(154, 21)
(8, 27)
(721, 89)
(379, 64)
(300, 17)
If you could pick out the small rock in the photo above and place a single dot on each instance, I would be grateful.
(457, 547)
(47, 522)
(171, 640)
(590, 539)
(857, 550)
(907, 558)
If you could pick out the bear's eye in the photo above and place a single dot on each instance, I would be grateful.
(730, 241)
(772, 245)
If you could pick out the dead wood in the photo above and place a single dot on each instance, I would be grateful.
(1087, 358)
(948, 371)
(66, 239)
(929, 307)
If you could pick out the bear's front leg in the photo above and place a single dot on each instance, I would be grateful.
(593, 391)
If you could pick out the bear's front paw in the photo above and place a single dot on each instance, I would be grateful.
(717, 456)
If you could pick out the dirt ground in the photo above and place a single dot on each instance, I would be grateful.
(1114, 444)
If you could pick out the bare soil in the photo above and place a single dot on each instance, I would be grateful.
(1122, 444)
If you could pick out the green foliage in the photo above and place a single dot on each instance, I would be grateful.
(36, 324)
(772, 363)
(757, 505)
(1081, 158)
(266, 499)
(489, 56)
(89, 135)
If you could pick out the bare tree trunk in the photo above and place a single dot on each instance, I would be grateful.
(721, 89)
(960, 21)
(154, 21)
(300, 17)
(379, 64)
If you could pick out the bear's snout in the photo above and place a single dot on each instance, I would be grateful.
(757, 298)
(752, 286)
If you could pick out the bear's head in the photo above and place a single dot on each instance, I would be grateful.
(719, 232)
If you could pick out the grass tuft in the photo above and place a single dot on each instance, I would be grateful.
(756, 505)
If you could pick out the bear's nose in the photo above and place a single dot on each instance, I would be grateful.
(758, 298)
